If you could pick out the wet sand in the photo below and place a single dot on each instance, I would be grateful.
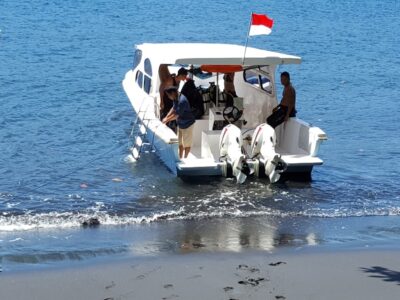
(308, 274)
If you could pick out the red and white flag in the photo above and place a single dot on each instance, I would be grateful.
(260, 24)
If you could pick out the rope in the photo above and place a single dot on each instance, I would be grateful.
(79, 168)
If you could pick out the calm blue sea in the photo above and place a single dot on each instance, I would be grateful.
(65, 124)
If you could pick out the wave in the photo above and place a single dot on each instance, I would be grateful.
(58, 256)
(55, 220)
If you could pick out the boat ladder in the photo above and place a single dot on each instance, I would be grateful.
(139, 132)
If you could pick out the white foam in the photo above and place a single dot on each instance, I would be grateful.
(129, 159)
(11, 205)
(16, 240)
(69, 220)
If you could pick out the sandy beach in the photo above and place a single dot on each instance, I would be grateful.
(361, 274)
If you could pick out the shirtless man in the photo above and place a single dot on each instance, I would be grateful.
(288, 101)
(168, 80)
(287, 108)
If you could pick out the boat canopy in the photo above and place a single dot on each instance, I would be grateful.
(213, 54)
(221, 68)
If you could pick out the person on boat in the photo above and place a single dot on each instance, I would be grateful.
(287, 108)
(182, 112)
(191, 92)
(167, 79)
(229, 88)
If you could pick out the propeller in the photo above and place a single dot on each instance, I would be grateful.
(243, 170)
(280, 166)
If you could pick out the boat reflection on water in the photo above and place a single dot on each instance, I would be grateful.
(235, 235)
(260, 233)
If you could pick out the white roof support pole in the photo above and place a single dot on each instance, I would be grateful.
(217, 90)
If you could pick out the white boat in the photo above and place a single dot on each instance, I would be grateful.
(220, 148)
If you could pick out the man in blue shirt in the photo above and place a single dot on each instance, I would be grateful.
(182, 112)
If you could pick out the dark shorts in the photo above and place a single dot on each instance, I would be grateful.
(278, 116)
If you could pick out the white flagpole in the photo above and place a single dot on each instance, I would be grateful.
(247, 39)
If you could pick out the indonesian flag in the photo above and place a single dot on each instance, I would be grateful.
(260, 24)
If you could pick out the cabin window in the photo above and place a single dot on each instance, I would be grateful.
(147, 77)
(137, 58)
(139, 78)
(251, 77)
(147, 84)
(147, 67)
(258, 79)
(265, 83)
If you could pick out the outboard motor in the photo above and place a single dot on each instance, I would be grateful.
(230, 149)
(263, 146)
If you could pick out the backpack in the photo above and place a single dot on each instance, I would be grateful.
(194, 97)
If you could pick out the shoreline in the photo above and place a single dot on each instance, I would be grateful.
(311, 273)
(59, 248)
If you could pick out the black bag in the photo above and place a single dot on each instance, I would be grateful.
(194, 97)
(278, 116)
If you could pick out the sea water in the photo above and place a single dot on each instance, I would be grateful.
(65, 123)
